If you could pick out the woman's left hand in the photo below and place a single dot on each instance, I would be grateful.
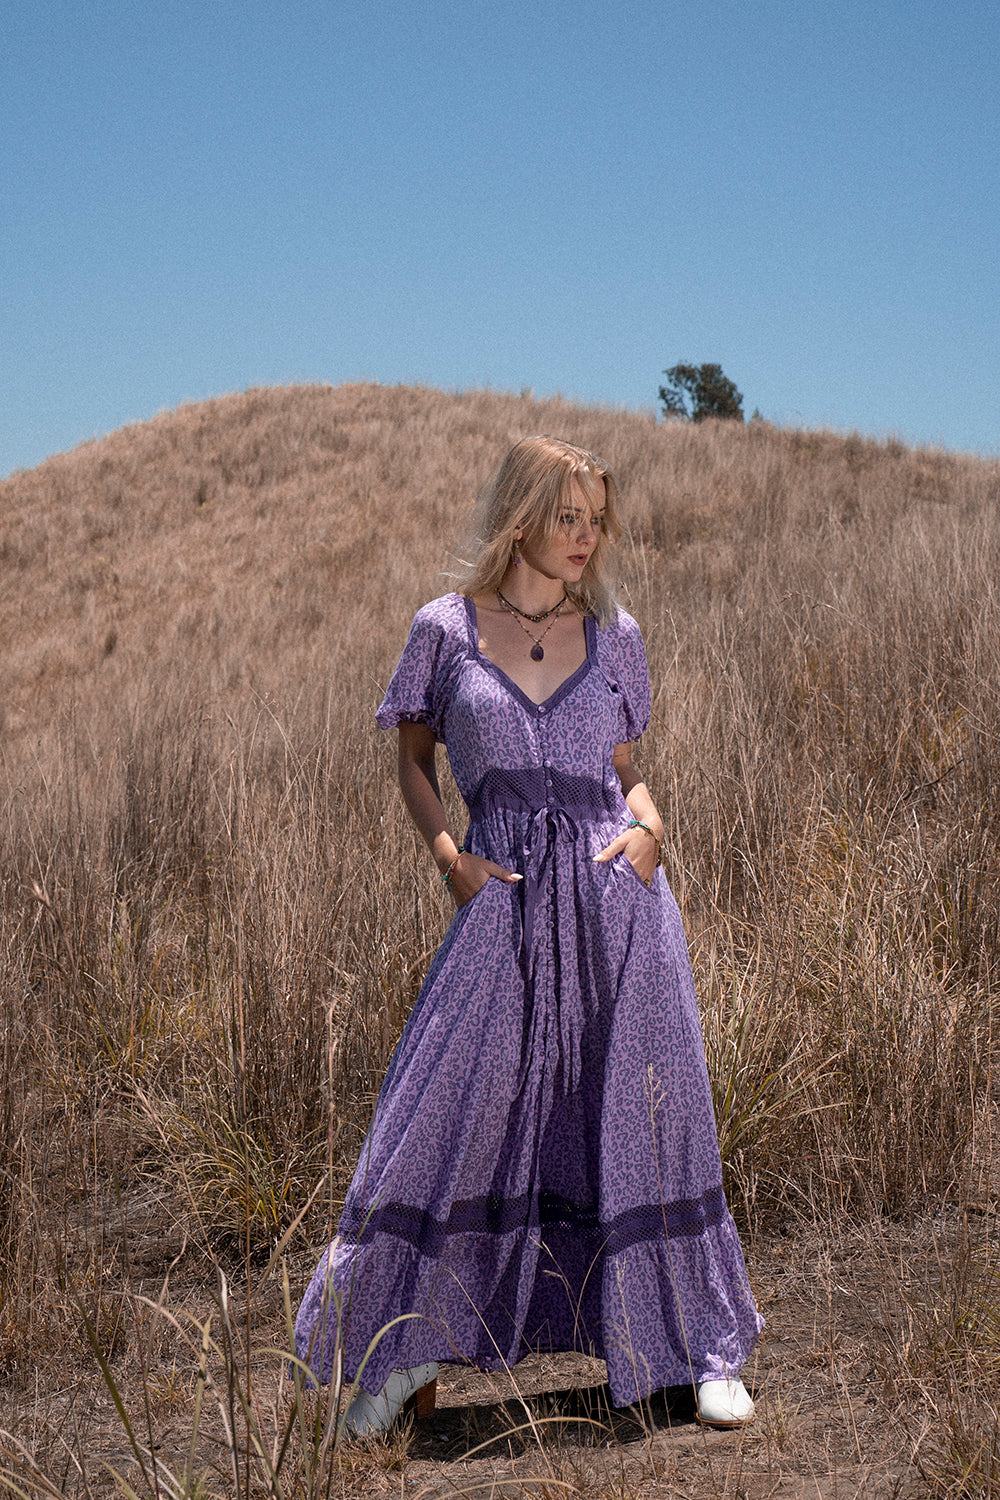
(640, 849)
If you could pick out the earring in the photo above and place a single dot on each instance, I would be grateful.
(517, 556)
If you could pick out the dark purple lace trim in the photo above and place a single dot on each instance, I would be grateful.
(530, 788)
(549, 1211)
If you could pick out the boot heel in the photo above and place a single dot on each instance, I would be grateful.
(421, 1403)
(367, 1413)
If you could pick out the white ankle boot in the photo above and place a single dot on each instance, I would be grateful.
(403, 1389)
(724, 1403)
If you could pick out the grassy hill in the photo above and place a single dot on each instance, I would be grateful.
(219, 545)
(227, 544)
(214, 916)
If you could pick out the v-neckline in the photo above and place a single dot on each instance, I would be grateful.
(566, 686)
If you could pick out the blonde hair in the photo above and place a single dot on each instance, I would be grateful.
(529, 493)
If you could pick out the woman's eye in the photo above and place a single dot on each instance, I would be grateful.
(570, 521)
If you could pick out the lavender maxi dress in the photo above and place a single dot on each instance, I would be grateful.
(542, 1170)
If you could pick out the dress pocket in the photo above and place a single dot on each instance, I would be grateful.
(492, 880)
(624, 863)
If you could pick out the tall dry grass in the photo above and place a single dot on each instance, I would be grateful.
(214, 916)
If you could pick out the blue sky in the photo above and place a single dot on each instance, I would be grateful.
(566, 195)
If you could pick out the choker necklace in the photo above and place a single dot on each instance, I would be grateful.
(536, 653)
(535, 619)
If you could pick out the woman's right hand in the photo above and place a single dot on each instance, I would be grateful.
(471, 872)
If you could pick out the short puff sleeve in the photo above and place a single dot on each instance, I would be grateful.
(628, 676)
(413, 694)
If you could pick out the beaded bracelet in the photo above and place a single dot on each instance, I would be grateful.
(446, 877)
(638, 823)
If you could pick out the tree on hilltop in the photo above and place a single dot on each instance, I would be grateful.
(694, 392)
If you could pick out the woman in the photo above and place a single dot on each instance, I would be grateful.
(542, 1171)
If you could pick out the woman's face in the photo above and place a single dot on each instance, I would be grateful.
(565, 555)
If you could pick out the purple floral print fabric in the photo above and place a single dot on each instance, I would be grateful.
(542, 1170)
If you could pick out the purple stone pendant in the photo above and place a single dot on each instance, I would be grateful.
(537, 653)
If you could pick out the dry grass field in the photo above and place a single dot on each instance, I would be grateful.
(214, 918)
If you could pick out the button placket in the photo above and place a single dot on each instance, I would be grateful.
(546, 761)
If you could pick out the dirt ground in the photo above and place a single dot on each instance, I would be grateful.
(840, 1413)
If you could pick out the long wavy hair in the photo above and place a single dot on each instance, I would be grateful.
(529, 492)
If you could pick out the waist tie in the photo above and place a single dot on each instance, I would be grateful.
(556, 804)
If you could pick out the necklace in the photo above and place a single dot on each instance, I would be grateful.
(535, 619)
(536, 653)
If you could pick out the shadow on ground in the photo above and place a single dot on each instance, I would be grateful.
(516, 1425)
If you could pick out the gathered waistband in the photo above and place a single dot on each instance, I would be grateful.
(532, 788)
